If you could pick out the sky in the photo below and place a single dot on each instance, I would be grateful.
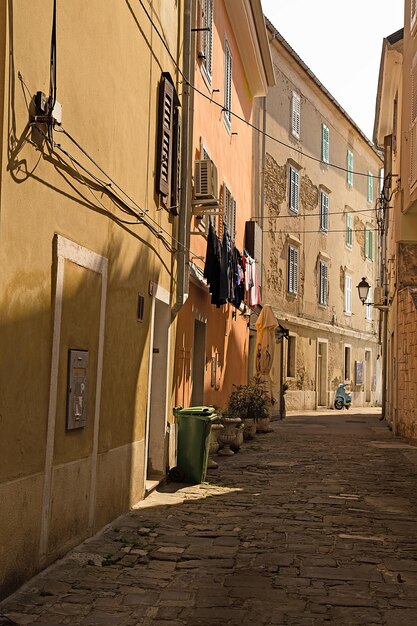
(341, 43)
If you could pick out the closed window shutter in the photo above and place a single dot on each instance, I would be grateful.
(165, 136)
(348, 294)
(370, 187)
(294, 190)
(205, 36)
(325, 137)
(350, 168)
(234, 220)
(292, 269)
(323, 283)
(228, 84)
(324, 211)
(349, 228)
(175, 186)
(295, 115)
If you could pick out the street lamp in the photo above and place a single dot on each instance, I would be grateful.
(363, 290)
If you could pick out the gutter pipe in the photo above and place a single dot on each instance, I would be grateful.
(185, 181)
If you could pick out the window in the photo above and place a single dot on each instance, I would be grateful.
(227, 85)
(205, 37)
(229, 211)
(325, 145)
(291, 357)
(323, 284)
(369, 244)
(294, 189)
(324, 211)
(167, 165)
(349, 167)
(368, 307)
(292, 269)
(295, 114)
(349, 230)
(370, 187)
(348, 294)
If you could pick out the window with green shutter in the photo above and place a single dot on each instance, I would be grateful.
(349, 164)
(295, 114)
(323, 282)
(292, 269)
(370, 187)
(325, 137)
(294, 192)
(369, 244)
(227, 85)
(349, 230)
(324, 211)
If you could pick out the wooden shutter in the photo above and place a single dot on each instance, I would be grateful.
(292, 269)
(349, 228)
(325, 136)
(370, 187)
(227, 84)
(176, 143)
(294, 190)
(323, 283)
(350, 168)
(348, 294)
(295, 114)
(324, 211)
(165, 137)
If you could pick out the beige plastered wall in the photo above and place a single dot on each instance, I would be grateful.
(58, 486)
(309, 321)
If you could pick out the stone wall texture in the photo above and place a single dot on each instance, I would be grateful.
(407, 363)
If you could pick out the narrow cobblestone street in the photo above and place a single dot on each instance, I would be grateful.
(313, 523)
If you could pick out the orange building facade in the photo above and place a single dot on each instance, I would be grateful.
(231, 72)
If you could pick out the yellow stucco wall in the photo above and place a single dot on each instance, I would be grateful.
(109, 66)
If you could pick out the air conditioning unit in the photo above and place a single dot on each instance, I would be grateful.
(205, 181)
(379, 297)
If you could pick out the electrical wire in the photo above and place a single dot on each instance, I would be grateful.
(295, 215)
(242, 119)
(108, 187)
(321, 231)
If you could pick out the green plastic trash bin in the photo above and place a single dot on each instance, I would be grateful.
(193, 431)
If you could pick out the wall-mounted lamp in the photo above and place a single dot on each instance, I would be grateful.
(363, 290)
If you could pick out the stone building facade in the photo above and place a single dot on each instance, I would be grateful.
(395, 131)
(319, 238)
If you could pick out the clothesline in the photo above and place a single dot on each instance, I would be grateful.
(231, 276)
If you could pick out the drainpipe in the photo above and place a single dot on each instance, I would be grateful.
(263, 157)
(186, 165)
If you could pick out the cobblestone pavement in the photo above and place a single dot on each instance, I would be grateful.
(313, 523)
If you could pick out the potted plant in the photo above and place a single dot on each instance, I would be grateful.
(251, 403)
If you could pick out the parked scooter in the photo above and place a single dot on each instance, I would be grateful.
(343, 398)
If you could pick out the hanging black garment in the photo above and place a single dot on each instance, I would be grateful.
(224, 271)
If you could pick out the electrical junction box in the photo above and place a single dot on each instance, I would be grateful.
(77, 389)
(57, 112)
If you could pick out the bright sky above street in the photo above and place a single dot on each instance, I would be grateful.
(341, 43)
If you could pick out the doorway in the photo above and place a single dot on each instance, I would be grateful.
(322, 373)
(199, 363)
(157, 420)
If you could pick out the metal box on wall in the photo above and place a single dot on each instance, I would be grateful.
(77, 389)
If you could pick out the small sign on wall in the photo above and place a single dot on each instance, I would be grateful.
(358, 372)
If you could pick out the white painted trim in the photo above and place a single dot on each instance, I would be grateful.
(148, 399)
(160, 293)
(70, 251)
